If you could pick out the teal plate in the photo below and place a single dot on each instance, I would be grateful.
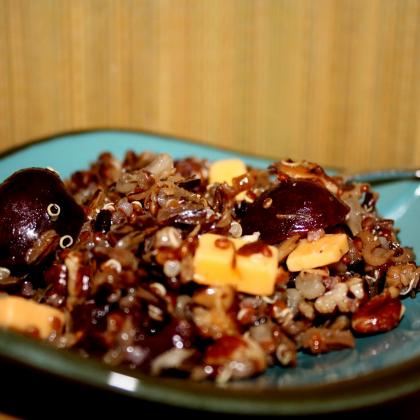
(381, 367)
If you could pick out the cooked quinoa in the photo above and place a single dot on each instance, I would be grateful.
(310, 266)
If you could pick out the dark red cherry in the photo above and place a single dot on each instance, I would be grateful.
(294, 206)
(34, 201)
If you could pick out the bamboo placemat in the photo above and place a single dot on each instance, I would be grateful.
(335, 81)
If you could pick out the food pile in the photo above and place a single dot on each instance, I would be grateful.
(198, 269)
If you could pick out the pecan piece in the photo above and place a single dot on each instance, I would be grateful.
(381, 313)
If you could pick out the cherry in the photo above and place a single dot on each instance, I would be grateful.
(294, 206)
(34, 201)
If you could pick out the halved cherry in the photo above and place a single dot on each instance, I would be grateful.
(35, 202)
(294, 206)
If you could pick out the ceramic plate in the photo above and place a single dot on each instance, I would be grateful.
(381, 367)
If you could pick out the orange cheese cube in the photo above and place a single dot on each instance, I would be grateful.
(226, 170)
(326, 250)
(257, 273)
(217, 262)
(214, 260)
(24, 315)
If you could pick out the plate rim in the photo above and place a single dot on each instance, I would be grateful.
(361, 391)
(35, 140)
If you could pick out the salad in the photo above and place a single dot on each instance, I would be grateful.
(198, 269)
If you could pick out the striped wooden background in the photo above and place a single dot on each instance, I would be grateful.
(335, 81)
